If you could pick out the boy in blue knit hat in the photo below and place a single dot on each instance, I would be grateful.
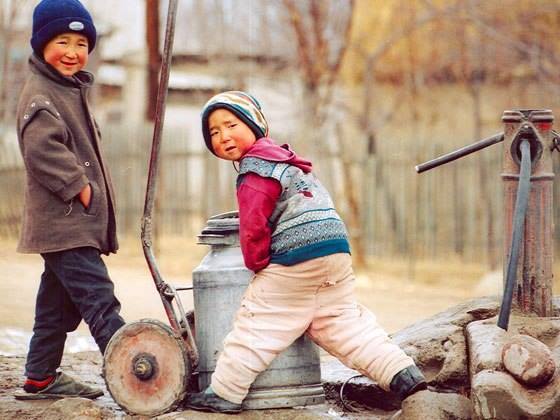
(294, 240)
(69, 211)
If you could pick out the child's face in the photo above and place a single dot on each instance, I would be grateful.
(231, 137)
(67, 53)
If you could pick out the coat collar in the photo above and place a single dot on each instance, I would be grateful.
(82, 79)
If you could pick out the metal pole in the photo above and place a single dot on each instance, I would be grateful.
(146, 235)
(532, 292)
(152, 41)
(518, 233)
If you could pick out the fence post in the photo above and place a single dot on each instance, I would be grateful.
(533, 291)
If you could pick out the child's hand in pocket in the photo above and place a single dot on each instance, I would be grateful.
(85, 196)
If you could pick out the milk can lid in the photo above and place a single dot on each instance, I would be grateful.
(219, 227)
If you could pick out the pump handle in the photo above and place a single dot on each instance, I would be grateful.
(450, 157)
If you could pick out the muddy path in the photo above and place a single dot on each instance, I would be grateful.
(87, 366)
(396, 299)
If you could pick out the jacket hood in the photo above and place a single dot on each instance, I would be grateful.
(265, 148)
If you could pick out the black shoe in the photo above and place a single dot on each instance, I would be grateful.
(207, 400)
(408, 381)
(63, 386)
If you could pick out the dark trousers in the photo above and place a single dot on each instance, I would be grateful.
(74, 286)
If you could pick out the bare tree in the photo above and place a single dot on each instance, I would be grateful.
(530, 36)
(476, 45)
(473, 71)
(322, 34)
(371, 117)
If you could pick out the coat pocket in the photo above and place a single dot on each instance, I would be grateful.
(93, 207)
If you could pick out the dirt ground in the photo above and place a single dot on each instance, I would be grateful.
(386, 287)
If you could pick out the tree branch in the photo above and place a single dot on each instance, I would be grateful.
(302, 41)
(382, 48)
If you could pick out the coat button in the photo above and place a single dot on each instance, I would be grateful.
(26, 117)
(86, 163)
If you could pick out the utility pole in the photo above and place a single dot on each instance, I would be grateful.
(154, 58)
(154, 65)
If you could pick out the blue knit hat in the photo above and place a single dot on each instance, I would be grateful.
(55, 17)
(243, 105)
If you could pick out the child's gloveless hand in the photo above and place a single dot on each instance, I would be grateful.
(85, 196)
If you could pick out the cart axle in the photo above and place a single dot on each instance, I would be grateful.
(144, 366)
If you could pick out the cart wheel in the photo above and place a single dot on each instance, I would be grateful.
(146, 368)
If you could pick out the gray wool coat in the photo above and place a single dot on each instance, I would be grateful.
(61, 148)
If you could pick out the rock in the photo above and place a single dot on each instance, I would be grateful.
(74, 408)
(486, 340)
(495, 394)
(528, 360)
(498, 396)
(435, 406)
(360, 390)
(438, 344)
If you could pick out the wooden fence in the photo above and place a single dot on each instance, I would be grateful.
(11, 189)
(191, 184)
(453, 210)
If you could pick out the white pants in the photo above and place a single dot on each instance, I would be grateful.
(316, 298)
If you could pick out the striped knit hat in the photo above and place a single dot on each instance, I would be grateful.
(243, 105)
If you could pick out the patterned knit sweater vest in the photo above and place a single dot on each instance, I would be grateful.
(304, 223)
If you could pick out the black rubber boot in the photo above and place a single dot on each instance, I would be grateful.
(207, 400)
(408, 381)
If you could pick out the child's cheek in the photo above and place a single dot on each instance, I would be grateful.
(83, 58)
(53, 56)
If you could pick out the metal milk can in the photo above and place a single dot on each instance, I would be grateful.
(219, 281)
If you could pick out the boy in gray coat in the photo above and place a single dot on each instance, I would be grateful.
(69, 213)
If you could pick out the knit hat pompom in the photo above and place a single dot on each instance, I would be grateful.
(55, 17)
(243, 105)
